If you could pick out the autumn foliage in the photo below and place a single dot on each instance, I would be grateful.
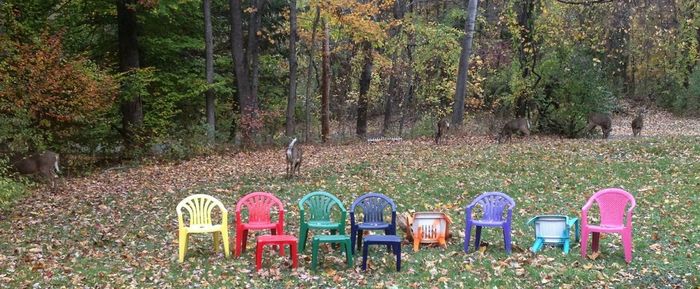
(48, 96)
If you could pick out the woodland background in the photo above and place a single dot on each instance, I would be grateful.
(131, 78)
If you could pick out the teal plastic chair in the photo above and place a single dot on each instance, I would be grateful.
(555, 230)
(318, 217)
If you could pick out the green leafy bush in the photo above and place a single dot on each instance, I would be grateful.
(10, 189)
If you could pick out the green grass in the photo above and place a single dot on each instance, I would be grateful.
(135, 241)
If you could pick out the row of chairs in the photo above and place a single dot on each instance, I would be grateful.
(316, 213)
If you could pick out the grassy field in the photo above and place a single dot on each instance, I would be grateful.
(118, 229)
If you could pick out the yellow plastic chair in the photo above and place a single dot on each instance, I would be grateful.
(199, 208)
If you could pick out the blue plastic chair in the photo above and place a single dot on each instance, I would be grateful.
(373, 206)
(493, 205)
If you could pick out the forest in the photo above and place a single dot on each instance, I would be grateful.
(132, 78)
(123, 121)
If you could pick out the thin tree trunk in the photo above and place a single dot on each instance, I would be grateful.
(365, 79)
(394, 89)
(325, 83)
(463, 71)
(292, 99)
(307, 100)
(131, 108)
(209, 64)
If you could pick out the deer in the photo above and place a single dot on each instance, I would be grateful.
(604, 120)
(638, 122)
(517, 125)
(442, 127)
(45, 164)
(294, 158)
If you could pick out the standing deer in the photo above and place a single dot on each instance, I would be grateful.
(294, 158)
(513, 126)
(604, 120)
(45, 164)
(442, 127)
(638, 122)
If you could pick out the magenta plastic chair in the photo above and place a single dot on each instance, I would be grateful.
(613, 219)
(493, 204)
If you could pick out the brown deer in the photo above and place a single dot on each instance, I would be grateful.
(45, 164)
(517, 125)
(442, 127)
(638, 122)
(294, 158)
(604, 120)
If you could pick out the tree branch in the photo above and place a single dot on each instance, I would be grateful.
(583, 2)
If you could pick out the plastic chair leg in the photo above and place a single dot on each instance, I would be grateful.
(217, 240)
(477, 238)
(314, 254)
(258, 256)
(244, 240)
(224, 238)
(294, 254)
(627, 245)
(182, 244)
(595, 244)
(303, 230)
(537, 246)
(584, 243)
(348, 253)
(364, 258)
(506, 239)
(467, 237)
(397, 251)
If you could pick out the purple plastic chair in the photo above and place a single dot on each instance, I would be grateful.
(613, 219)
(373, 206)
(493, 204)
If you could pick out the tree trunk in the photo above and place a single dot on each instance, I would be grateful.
(325, 83)
(525, 49)
(394, 89)
(132, 107)
(463, 71)
(245, 101)
(209, 64)
(292, 99)
(309, 91)
(362, 102)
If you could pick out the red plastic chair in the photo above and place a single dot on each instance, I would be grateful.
(613, 219)
(259, 206)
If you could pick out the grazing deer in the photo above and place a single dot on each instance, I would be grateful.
(517, 125)
(638, 122)
(604, 120)
(294, 158)
(45, 164)
(442, 127)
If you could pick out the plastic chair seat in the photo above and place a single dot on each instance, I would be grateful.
(203, 228)
(488, 223)
(259, 226)
(382, 239)
(275, 239)
(373, 226)
(606, 228)
(331, 238)
(323, 224)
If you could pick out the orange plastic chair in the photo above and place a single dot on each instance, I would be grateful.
(199, 208)
(430, 228)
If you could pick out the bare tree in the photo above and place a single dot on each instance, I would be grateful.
(463, 71)
(209, 67)
(292, 99)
